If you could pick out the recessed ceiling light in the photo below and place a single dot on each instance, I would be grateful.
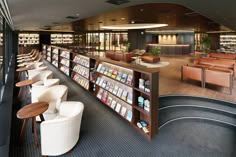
(122, 18)
(141, 9)
(77, 14)
(132, 22)
(135, 26)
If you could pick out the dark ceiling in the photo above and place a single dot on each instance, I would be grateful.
(176, 16)
(38, 15)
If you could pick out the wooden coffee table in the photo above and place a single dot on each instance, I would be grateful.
(31, 111)
(22, 84)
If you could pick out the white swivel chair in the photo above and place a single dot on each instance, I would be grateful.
(38, 70)
(43, 75)
(39, 87)
(54, 95)
(35, 65)
(61, 134)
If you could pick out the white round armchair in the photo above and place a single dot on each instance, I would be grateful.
(39, 87)
(54, 95)
(61, 134)
(43, 75)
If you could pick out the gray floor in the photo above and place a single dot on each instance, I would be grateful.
(104, 134)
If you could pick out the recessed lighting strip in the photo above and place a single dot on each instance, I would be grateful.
(134, 26)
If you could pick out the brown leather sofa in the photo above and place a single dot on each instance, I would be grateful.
(192, 72)
(222, 78)
(120, 56)
(205, 75)
(220, 64)
(222, 55)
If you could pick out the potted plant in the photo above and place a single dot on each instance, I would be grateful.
(206, 41)
(156, 51)
(155, 55)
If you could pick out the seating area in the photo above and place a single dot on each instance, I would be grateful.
(60, 119)
(222, 55)
(207, 69)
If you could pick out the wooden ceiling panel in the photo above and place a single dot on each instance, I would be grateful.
(172, 14)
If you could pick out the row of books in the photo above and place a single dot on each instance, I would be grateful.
(120, 76)
(65, 62)
(49, 54)
(115, 89)
(144, 85)
(107, 98)
(49, 49)
(56, 51)
(65, 54)
(55, 63)
(49, 58)
(55, 57)
(144, 103)
(81, 70)
(82, 81)
(65, 70)
(81, 60)
(144, 126)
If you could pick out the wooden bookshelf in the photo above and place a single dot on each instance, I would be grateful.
(134, 99)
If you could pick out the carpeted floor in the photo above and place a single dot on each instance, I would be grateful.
(104, 134)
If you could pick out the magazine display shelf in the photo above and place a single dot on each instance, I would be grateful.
(131, 91)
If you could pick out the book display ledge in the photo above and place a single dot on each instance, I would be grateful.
(130, 91)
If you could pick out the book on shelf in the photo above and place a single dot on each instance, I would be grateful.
(104, 96)
(106, 71)
(123, 111)
(111, 87)
(114, 74)
(109, 100)
(119, 75)
(129, 116)
(101, 81)
(118, 106)
(147, 86)
(100, 93)
(124, 95)
(109, 72)
(108, 85)
(130, 98)
(129, 80)
(141, 101)
(113, 104)
(146, 129)
(120, 90)
(104, 83)
(102, 69)
(115, 89)
(123, 77)
(98, 80)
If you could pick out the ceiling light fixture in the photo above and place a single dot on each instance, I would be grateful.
(135, 26)
(122, 18)
(132, 22)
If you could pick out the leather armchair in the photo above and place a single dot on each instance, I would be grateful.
(61, 134)
(39, 87)
(54, 95)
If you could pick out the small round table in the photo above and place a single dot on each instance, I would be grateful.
(31, 111)
(22, 84)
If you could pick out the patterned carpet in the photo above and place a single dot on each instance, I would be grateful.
(104, 134)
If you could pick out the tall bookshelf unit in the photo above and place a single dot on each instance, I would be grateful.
(129, 91)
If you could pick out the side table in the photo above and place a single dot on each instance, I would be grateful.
(22, 84)
(31, 111)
